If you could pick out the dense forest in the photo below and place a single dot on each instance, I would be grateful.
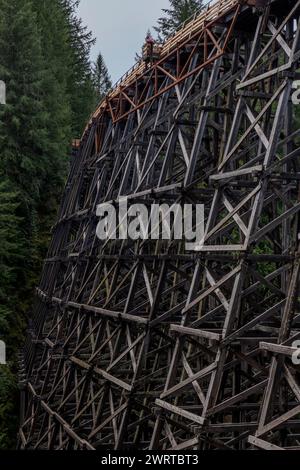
(52, 87)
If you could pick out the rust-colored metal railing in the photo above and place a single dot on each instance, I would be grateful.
(212, 12)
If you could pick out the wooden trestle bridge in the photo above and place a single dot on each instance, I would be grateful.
(142, 344)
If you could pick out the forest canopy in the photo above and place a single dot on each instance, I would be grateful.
(45, 64)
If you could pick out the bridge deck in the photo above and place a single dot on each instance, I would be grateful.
(214, 10)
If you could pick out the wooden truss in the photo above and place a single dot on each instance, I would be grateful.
(141, 344)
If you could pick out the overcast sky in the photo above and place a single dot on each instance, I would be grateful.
(120, 27)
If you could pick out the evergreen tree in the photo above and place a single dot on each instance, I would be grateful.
(56, 56)
(8, 236)
(50, 95)
(10, 253)
(101, 78)
(24, 121)
(23, 168)
(139, 56)
(178, 13)
(10, 257)
(80, 83)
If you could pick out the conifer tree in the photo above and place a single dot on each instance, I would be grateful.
(178, 13)
(50, 95)
(25, 148)
(10, 257)
(57, 100)
(24, 119)
(101, 77)
(56, 56)
(80, 83)
(139, 55)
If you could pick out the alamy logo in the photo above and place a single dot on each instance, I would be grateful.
(2, 92)
(296, 354)
(296, 93)
(153, 222)
(2, 353)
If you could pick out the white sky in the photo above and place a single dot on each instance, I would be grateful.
(120, 27)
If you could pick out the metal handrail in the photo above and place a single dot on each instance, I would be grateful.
(213, 9)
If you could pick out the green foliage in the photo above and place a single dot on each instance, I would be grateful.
(80, 80)
(11, 252)
(9, 246)
(297, 115)
(23, 121)
(101, 78)
(179, 12)
(23, 168)
(50, 95)
(8, 408)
